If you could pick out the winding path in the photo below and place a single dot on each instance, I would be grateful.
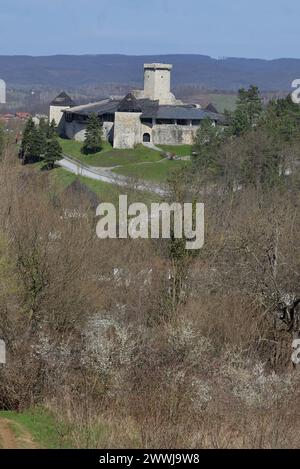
(106, 175)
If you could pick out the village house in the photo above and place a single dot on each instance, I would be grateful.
(152, 115)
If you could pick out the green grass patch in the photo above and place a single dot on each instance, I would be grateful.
(156, 172)
(45, 430)
(179, 150)
(109, 157)
(110, 192)
(61, 179)
(139, 154)
(73, 148)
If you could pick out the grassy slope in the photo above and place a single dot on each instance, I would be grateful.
(156, 172)
(129, 162)
(110, 157)
(61, 179)
(42, 426)
(179, 150)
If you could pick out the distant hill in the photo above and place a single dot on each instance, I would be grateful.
(74, 71)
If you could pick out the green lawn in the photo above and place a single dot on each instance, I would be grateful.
(73, 148)
(156, 172)
(110, 157)
(179, 150)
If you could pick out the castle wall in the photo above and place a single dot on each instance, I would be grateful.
(127, 129)
(56, 114)
(76, 131)
(173, 134)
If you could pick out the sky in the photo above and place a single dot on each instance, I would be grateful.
(219, 28)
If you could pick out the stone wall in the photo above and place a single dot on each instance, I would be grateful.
(56, 114)
(76, 131)
(127, 129)
(173, 134)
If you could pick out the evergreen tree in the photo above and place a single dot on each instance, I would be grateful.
(43, 126)
(52, 129)
(248, 111)
(40, 139)
(31, 142)
(93, 136)
(53, 152)
(282, 120)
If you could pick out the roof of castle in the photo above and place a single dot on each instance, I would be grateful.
(130, 104)
(63, 99)
(147, 108)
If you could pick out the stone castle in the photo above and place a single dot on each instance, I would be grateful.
(152, 115)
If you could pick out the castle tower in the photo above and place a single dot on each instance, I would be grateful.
(59, 104)
(157, 83)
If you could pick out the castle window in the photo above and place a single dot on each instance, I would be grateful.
(183, 122)
(196, 122)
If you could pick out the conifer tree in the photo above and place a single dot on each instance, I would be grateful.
(52, 129)
(248, 111)
(93, 136)
(53, 152)
(31, 142)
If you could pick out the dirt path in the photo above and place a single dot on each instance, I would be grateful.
(8, 438)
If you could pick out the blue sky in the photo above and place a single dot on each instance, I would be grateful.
(235, 28)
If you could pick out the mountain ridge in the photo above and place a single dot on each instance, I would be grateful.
(63, 70)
